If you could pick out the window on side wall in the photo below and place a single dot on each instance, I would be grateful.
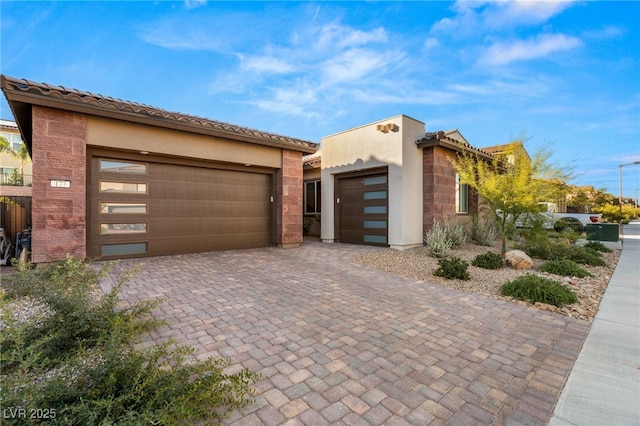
(312, 197)
(462, 196)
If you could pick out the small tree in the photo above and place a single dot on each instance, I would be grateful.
(513, 183)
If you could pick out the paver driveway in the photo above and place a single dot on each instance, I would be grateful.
(343, 344)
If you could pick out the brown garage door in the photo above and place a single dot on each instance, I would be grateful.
(145, 208)
(362, 208)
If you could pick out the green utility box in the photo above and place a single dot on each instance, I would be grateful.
(603, 232)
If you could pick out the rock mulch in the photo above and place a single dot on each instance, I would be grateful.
(417, 264)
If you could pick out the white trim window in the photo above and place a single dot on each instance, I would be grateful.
(462, 196)
(312, 197)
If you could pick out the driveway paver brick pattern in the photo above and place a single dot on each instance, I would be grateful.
(339, 343)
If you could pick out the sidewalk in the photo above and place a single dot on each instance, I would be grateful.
(604, 385)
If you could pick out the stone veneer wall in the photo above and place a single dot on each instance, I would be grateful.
(59, 214)
(289, 187)
(439, 183)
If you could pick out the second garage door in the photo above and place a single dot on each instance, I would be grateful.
(146, 208)
(362, 208)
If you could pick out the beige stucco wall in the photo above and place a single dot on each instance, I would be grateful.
(365, 147)
(105, 132)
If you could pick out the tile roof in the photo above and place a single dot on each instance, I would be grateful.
(312, 160)
(25, 91)
(441, 138)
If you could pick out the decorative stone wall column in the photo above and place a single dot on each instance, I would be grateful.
(59, 191)
(439, 196)
(289, 187)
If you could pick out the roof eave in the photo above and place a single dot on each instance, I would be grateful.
(20, 100)
(453, 146)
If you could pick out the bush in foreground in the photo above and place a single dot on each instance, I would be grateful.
(585, 256)
(597, 246)
(565, 268)
(534, 289)
(454, 268)
(78, 356)
(488, 260)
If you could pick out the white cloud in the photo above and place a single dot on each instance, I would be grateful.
(185, 39)
(474, 16)
(535, 48)
(336, 36)
(355, 64)
(431, 43)
(192, 4)
(523, 12)
(266, 64)
(606, 33)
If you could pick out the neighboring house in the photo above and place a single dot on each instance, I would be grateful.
(385, 183)
(113, 178)
(15, 185)
(10, 166)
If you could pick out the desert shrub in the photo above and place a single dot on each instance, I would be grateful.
(454, 268)
(484, 232)
(455, 233)
(597, 246)
(586, 256)
(79, 357)
(437, 241)
(488, 260)
(568, 225)
(545, 248)
(443, 237)
(565, 268)
(534, 289)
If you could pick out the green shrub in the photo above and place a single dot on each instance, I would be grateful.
(443, 237)
(545, 248)
(586, 256)
(568, 225)
(537, 243)
(565, 268)
(597, 246)
(455, 233)
(536, 289)
(437, 241)
(484, 232)
(454, 268)
(79, 357)
(488, 260)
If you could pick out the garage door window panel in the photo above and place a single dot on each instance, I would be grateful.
(123, 187)
(122, 228)
(113, 166)
(123, 208)
(123, 249)
(375, 195)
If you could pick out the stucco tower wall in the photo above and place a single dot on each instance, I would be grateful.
(59, 213)
(366, 147)
(409, 225)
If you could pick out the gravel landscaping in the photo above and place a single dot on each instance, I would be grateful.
(417, 264)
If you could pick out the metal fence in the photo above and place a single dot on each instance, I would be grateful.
(15, 179)
(15, 215)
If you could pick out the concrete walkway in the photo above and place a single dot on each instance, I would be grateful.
(342, 344)
(604, 385)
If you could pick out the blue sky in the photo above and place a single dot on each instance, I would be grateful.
(566, 74)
